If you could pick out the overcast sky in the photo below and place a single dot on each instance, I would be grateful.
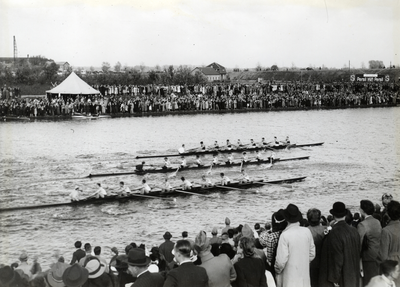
(233, 33)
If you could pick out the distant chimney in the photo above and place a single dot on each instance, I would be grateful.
(27, 56)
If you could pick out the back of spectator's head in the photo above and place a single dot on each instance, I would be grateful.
(388, 266)
(324, 221)
(142, 246)
(247, 246)
(214, 231)
(314, 216)
(367, 206)
(239, 228)
(97, 250)
(184, 248)
(393, 210)
(356, 216)
(267, 226)
(227, 249)
(88, 247)
(227, 220)
(257, 226)
(184, 234)
(127, 248)
(215, 249)
(231, 232)
(133, 244)
(78, 244)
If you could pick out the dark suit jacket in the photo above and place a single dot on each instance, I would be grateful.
(77, 255)
(148, 279)
(187, 275)
(250, 272)
(340, 257)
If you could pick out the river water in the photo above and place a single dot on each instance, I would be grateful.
(41, 162)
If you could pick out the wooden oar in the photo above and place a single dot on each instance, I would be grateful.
(174, 174)
(229, 187)
(153, 197)
(191, 193)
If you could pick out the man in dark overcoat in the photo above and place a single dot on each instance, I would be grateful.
(340, 254)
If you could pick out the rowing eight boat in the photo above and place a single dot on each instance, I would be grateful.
(241, 149)
(164, 170)
(159, 194)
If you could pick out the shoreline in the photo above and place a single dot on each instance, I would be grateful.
(193, 112)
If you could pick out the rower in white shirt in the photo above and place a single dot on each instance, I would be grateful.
(198, 161)
(145, 187)
(202, 146)
(245, 177)
(239, 143)
(259, 156)
(123, 190)
(75, 194)
(99, 193)
(167, 163)
(167, 186)
(245, 157)
(215, 159)
(186, 184)
(228, 145)
(224, 179)
(205, 182)
(229, 159)
(183, 162)
(181, 149)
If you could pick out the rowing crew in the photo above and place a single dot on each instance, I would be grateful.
(124, 190)
(229, 146)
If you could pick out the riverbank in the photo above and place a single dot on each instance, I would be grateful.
(193, 112)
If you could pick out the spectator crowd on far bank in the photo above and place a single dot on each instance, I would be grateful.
(130, 100)
(342, 249)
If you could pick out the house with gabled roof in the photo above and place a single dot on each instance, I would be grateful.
(213, 72)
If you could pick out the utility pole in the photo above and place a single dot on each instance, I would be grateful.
(15, 52)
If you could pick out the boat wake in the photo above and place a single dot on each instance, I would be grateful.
(60, 216)
(112, 210)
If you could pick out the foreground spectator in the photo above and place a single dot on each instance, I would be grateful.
(390, 272)
(340, 254)
(138, 266)
(219, 269)
(250, 269)
(187, 274)
(166, 247)
(370, 235)
(295, 251)
(390, 238)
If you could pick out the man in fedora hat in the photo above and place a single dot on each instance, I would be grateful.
(340, 253)
(295, 251)
(138, 264)
(166, 247)
(54, 276)
(9, 277)
(75, 276)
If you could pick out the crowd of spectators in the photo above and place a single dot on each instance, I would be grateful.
(212, 97)
(342, 249)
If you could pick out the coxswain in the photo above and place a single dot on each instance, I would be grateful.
(224, 179)
(198, 160)
(145, 187)
(245, 177)
(215, 159)
(139, 167)
(182, 149)
(75, 194)
(167, 163)
(99, 193)
(245, 157)
(167, 185)
(186, 184)
(228, 145)
(202, 146)
(229, 159)
(183, 163)
(205, 182)
(123, 190)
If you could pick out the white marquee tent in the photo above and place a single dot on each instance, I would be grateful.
(73, 85)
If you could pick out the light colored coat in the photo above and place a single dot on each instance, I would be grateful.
(295, 251)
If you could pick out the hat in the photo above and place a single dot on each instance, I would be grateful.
(227, 221)
(7, 275)
(75, 275)
(121, 261)
(115, 250)
(95, 267)
(278, 217)
(292, 213)
(214, 231)
(247, 232)
(167, 235)
(137, 257)
(338, 209)
(54, 276)
(387, 196)
(23, 257)
(202, 241)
